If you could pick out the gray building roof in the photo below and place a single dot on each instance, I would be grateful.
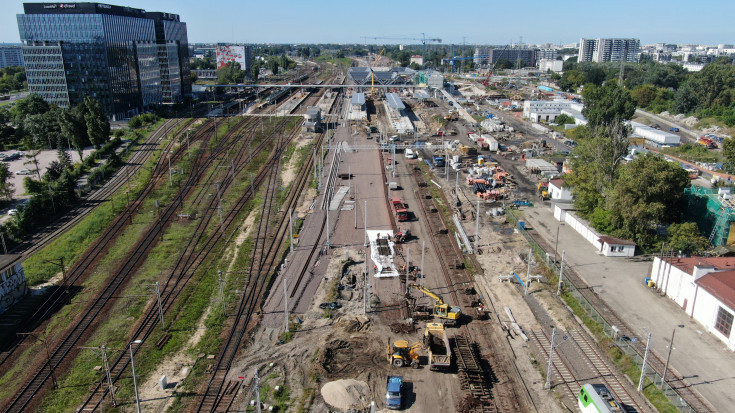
(394, 101)
(358, 99)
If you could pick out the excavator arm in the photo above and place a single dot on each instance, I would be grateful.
(429, 293)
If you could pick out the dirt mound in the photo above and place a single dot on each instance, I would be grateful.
(347, 394)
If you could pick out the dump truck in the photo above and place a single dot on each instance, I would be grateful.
(448, 316)
(400, 209)
(394, 390)
(400, 354)
(439, 161)
(437, 344)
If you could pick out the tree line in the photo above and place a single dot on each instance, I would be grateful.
(12, 79)
(642, 200)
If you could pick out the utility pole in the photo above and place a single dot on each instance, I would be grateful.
(528, 275)
(423, 252)
(103, 354)
(408, 266)
(643, 367)
(285, 298)
(156, 290)
(477, 228)
(290, 228)
(366, 237)
(257, 391)
(671, 347)
(221, 282)
(561, 273)
(551, 361)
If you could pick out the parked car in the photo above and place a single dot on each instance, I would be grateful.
(12, 157)
(13, 212)
(24, 172)
(672, 129)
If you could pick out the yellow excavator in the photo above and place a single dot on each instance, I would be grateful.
(450, 316)
(400, 354)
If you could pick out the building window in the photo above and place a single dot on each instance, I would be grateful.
(724, 322)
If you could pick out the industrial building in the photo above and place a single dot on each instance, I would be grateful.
(358, 110)
(553, 65)
(609, 50)
(517, 56)
(226, 53)
(481, 55)
(654, 137)
(10, 55)
(703, 287)
(549, 110)
(312, 119)
(126, 58)
(396, 113)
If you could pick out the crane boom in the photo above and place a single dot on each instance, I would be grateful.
(429, 293)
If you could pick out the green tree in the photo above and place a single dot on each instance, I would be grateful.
(230, 74)
(687, 238)
(648, 193)
(607, 105)
(728, 151)
(685, 99)
(644, 95)
(503, 64)
(33, 104)
(73, 128)
(6, 187)
(98, 126)
(564, 119)
(273, 65)
(571, 80)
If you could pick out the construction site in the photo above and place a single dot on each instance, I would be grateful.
(353, 235)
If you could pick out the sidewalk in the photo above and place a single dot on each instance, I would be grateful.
(700, 358)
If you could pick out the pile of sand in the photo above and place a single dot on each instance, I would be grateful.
(347, 394)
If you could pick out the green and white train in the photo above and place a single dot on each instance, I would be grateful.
(596, 398)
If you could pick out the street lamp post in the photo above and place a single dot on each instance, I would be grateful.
(135, 382)
(668, 357)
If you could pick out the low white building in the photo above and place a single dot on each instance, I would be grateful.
(655, 137)
(548, 110)
(604, 244)
(545, 65)
(704, 287)
(418, 59)
(559, 192)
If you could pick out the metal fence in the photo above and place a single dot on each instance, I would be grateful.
(623, 343)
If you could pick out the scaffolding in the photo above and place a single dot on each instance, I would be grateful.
(713, 213)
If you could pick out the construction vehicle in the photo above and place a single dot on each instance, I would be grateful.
(437, 344)
(439, 161)
(402, 235)
(400, 354)
(449, 316)
(400, 209)
(451, 116)
(542, 190)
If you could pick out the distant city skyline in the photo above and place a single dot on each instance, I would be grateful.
(474, 22)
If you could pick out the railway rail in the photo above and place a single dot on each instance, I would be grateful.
(655, 362)
(191, 257)
(76, 274)
(501, 397)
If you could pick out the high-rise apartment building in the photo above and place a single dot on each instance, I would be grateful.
(127, 58)
(10, 55)
(608, 50)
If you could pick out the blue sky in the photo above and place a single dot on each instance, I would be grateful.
(480, 22)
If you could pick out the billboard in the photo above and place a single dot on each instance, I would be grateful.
(227, 54)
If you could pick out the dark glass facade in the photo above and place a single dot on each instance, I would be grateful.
(112, 53)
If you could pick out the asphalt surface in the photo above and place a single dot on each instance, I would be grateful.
(703, 360)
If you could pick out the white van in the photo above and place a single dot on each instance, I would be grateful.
(409, 154)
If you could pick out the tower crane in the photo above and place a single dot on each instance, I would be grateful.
(423, 39)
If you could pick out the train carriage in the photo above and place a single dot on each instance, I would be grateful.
(596, 398)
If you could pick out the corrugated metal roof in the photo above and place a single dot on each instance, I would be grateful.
(420, 94)
(394, 101)
(358, 99)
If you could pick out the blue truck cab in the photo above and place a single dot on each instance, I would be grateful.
(439, 161)
(393, 394)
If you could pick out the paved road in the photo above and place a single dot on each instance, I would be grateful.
(698, 356)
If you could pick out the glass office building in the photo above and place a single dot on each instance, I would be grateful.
(127, 58)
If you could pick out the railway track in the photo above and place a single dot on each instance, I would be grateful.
(65, 350)
(655, 362)
(496, 393)
(192, 256)
(76, 274)
(268, 242)
(598, 369)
